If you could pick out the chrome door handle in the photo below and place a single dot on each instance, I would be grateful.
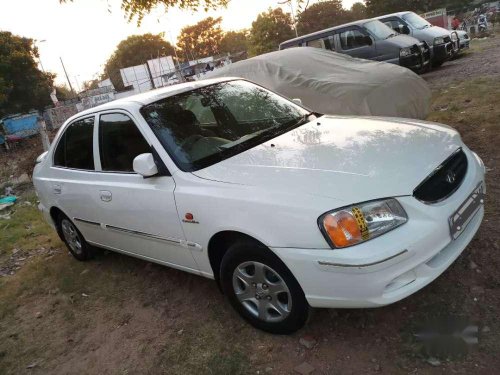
(106, 195)
(57, 189)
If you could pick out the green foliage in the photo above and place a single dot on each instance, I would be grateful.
(201, 39)
(137, 9)
(269, 30)
(322, 15)
(91, 84)
(63, 92)
(234, 41)
(23, 86)
(358, 11)
(135, 50)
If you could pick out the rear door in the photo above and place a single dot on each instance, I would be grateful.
(72, 175)
(138, 215)
(354, 41)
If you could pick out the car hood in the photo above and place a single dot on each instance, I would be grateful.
(403, 40)
(351, 159)
(433, 32)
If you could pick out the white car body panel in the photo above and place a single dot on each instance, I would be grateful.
(275, 193)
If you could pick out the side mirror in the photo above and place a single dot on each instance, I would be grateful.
(404, 29)
(297, 101)
(368, 40)
(144, 164)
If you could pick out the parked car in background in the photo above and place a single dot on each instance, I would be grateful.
(464, 39)
(285, 208)
(333, 83)
(368, 39)
(442, 43)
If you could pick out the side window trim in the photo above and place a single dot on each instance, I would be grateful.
(63, 134)
(97, 156)
(97, 149)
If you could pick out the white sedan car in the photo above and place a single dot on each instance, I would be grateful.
(284, 208)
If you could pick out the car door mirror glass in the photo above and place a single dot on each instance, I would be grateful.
(404, 29)
(145, 165)
(368, 40)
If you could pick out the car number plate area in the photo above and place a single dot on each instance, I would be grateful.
(464, 214)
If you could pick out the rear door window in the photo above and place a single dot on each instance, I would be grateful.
(317, 43)
(352, 38)
(75, 148)
(119, 142)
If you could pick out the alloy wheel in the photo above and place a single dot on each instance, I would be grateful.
(262, 291)
(71, 236)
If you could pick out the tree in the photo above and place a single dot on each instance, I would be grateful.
(201, 40)
(358, 11)
(63, 92)
(234, 42)
(139, 8)
(135, 50)
(23, 86)
(269, 30)
(91, 84)
(322, 15)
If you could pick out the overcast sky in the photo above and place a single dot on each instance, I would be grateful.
(84, 33)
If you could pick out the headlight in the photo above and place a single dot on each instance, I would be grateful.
(405, 52)
(361, 222)
(439, 40)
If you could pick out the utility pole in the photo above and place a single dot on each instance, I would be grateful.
(67, 78)
(293, 15)
(180, 76)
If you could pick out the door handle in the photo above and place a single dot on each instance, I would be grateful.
(106, 195)
(57, 189)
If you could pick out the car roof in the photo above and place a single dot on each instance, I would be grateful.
(393, 14)
(153, 95)
(320, 32)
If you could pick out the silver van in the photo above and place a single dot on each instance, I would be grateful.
(368, 39)
(442, 43)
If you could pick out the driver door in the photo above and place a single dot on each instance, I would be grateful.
(137, 215)
(354, 42)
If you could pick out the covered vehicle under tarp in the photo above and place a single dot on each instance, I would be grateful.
(333, 83)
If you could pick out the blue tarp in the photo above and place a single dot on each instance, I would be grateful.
(21, 125)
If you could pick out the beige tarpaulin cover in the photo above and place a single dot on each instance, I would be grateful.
(333, 83)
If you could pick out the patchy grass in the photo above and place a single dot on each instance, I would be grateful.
(473, 102)
(26, 229)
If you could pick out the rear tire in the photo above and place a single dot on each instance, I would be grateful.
(262, 289)
(73, 239)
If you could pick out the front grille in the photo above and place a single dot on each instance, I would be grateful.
(445, 179)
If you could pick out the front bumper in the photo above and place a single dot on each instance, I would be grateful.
(419, 59)
(390, 267)
(442, 52)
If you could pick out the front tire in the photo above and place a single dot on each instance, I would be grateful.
(73, 239)
(262, 289)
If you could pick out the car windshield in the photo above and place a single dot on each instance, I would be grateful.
(416, 21)
(379, 30)
(212, 123)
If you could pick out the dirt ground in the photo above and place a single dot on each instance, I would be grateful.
(120, 315)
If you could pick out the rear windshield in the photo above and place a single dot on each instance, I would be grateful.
(204, 126)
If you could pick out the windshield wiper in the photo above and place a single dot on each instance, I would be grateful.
(391, 35)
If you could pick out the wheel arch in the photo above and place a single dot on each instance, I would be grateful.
(219, 244)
